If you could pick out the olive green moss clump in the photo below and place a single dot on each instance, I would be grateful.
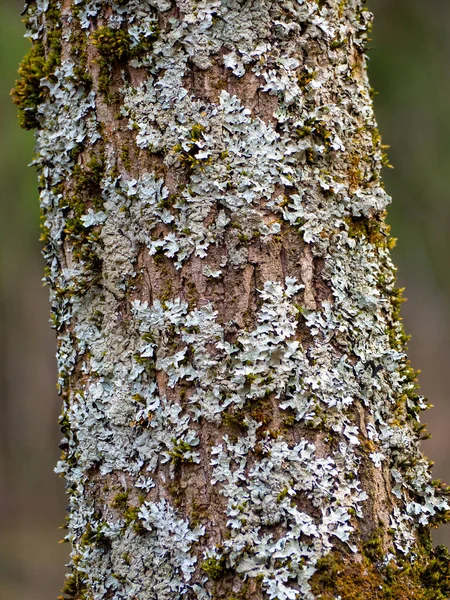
(86, 192)
(114, 47)
(78, 50)
(115, 44)
(40, 62)
(426, 578)
(75, 587)
(214, 567)
(112, 44)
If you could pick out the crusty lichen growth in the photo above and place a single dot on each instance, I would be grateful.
(239, 416)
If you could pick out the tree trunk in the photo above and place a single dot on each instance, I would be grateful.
(240, 419)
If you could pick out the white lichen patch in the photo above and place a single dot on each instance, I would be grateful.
(238, 163)
(266, 492)
(156, 565)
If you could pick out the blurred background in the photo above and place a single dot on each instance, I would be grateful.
(410, 69)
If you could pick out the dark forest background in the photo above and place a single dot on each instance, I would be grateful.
(410, 69)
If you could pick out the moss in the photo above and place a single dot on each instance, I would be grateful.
(310, 156)
(146, 362)
(120, 500)
(125, 157)
(27, 92)
(428, 578)
(169, 201)
(304, 78)
(40, 62)
(192, 294)
(373, 547)
(75, 587)
(282, 495)
(214, 567)
(167, 294)
(139, 398)
(86, 191)
(179, 450)
(341, 8)
(377, 144)
(198, 514)
(289, 421)
(114, 47)
(131, 515)
(94, 537)
(129, 511)
(373, 229)
(176, 493)
(258, 409)
(78, 50)
(188, 157)
(112, 44)
(87, 179)
(317, 129)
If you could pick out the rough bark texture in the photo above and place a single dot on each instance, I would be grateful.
(240, 419)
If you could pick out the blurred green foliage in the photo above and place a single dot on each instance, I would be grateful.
(409, 67)
(16, 144)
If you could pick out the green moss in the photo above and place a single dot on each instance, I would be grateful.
(87, 183)
(214, 567)
(75, 587)
(282, 495)
(78, 50)
(167, 294)
(94, 537)
(120, 500)
(85, 192)
(187, 158)
(192, 294)
(258, 409)
(373, 547)
(317, 129)
(373, 229)
(305, 77)
(27, 92)
(129, 511)
(428, 578)
(112, 44)
(179, 450)
(289, 421)
(139, 398)
(131, 515)
(169, 201)
(198, 514)
(114, 47)
(310, 156)
(40, 62)
(125, 157)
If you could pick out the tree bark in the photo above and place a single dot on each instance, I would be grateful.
(240, 419)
